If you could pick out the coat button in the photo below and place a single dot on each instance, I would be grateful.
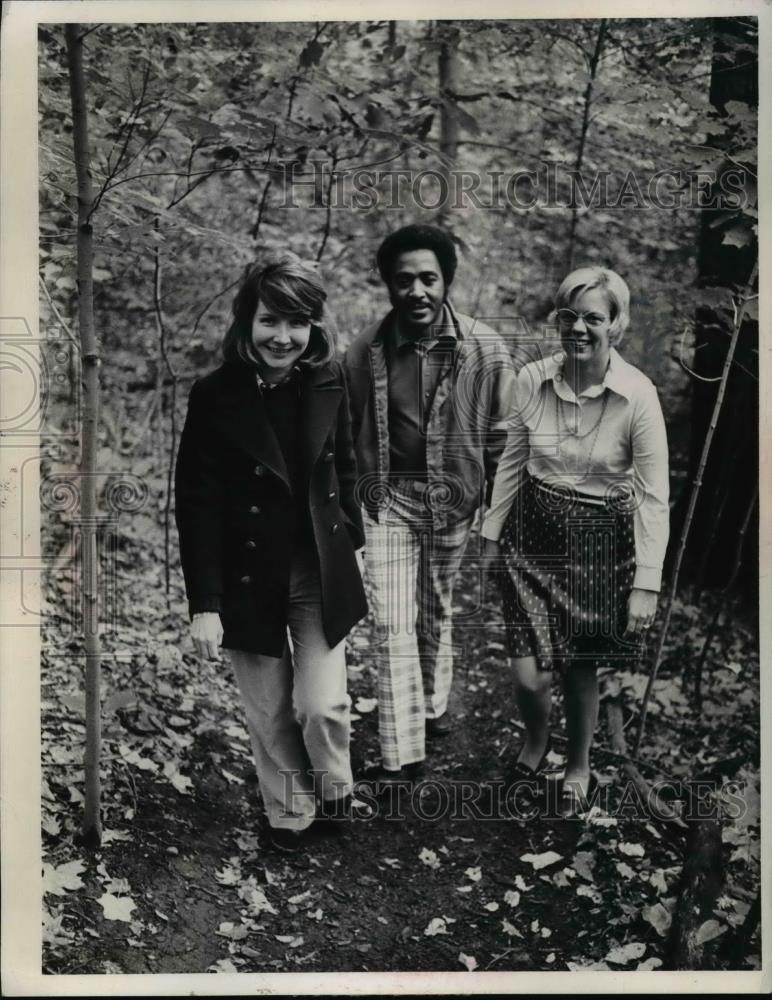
(246, 579)
(333, 529)
(331, 495)
(251, 544)
(254, 510)
(259, 470)
(329, 456)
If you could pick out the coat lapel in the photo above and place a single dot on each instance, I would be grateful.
(320, 399)
(243, 418)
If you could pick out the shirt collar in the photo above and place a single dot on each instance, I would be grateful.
(268, 386)
(444, 328)
(617, 378)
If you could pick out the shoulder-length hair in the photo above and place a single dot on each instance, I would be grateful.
(583, 279)
(288, 286)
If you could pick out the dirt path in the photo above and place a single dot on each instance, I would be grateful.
(457, 891)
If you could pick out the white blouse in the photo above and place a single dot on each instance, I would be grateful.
(611, 435)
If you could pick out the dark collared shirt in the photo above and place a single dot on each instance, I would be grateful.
(414, 368)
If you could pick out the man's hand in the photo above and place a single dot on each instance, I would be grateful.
(206, 632)
(491, 555)
(641, 608)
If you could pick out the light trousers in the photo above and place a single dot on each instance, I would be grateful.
(298, 710)
(411, 566)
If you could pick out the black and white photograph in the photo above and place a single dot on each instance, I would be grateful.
(384, 554)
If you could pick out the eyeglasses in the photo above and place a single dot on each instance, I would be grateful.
(567, 318)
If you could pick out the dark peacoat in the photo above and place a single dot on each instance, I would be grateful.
(236, 512)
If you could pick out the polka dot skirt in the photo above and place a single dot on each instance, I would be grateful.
(569, 572)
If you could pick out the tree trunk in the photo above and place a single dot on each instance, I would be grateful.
(734, 77)
(592, 70)
(701, 882)
(91, 831)
(448, 72)
(694, 496)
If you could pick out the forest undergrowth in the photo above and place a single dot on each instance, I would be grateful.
(185, 881)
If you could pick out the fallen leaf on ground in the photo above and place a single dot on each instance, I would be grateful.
(626, 953)
(429, 858)
(475, 874)
(491, 907)
(539, 861)
(468, 961)
(111, 836)
(625, 870)
(659, 917)
(510, 929)
(222, 965)
(63, 879)
(365, 705)
(512, 898)
(632, 850)
(294, 941)
(709, 930)
(255, 898)
(228, 876)
(117, 908)
(648, 965)
(583, 864)
(180, 782)
(234, 932)
(436, 926)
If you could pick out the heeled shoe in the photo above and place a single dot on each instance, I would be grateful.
(521, 770)
(527, 788)
(576, 804)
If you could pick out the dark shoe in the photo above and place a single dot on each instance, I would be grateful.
(521, 770)
(527, 788)
(576, 805)
(437, 728)
(292, 841)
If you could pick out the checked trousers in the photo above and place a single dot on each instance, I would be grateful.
(410, 567)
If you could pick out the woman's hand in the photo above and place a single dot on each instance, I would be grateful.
(641, 608)
(491, 554)
(206, 632)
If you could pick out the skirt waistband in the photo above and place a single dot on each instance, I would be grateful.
(568, 492)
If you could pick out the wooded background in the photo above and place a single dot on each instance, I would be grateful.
(196, 145)
(203, 136)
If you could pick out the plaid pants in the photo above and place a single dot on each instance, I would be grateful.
(410, 567)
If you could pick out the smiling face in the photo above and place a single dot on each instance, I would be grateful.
(417, 289)
(585, 328)
(278, 342)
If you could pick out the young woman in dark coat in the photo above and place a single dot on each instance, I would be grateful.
(269, 529)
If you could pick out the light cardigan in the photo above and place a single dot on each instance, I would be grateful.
(576, 442)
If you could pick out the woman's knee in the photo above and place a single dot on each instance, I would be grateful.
(529, 677)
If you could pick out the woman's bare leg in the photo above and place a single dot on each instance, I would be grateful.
(580, 686)
(533, 693)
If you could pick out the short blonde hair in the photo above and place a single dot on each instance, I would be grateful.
(584, 279)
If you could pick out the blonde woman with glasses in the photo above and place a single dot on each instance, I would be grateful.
(579, 518)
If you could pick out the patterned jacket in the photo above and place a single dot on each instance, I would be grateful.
(466, 427)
